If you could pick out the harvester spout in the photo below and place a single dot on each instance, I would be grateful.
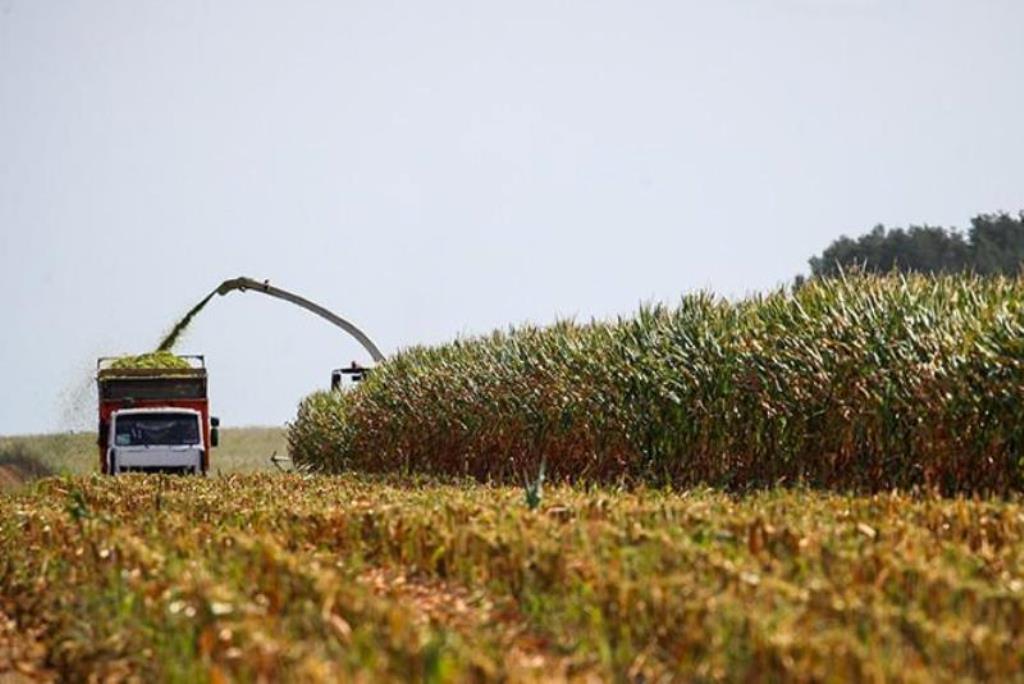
(233, 284)
(242, 284)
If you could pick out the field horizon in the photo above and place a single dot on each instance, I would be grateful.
(28, 456)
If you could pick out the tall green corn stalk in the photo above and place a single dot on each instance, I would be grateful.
(863, 383)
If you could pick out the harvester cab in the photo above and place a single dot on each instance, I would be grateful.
(355, 373)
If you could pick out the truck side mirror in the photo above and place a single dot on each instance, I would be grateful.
(214, 421)
(214, 437)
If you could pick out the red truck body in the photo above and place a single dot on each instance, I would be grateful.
(140, 388)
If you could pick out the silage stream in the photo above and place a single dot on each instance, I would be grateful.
(167, 344)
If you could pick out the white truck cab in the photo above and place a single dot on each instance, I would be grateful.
(155, 440)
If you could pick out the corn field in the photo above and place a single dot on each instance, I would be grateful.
(864, 383)
(368, 579)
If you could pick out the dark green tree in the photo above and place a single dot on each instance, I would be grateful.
(994, 244)
(997, 241)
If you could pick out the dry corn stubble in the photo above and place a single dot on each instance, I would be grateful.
(193, 579)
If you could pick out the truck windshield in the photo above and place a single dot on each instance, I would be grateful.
(163, 429)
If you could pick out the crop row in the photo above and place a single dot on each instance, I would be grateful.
(313, 578)
(865, 383)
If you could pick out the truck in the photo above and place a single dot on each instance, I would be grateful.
(155, 419)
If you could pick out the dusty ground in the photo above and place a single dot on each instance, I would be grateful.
(17, 470)
(10, 477)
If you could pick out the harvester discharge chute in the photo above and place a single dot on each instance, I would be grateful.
(242, 284)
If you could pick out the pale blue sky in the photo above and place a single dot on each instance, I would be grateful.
(434, 169)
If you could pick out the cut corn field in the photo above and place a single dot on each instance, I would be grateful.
(789, 487)
(866, 383)
(365, 579)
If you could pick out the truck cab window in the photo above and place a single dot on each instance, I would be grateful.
(151, 430)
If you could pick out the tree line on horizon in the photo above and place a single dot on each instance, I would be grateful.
(993, 245)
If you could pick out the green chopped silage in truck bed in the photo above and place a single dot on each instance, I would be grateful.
(159, 359)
